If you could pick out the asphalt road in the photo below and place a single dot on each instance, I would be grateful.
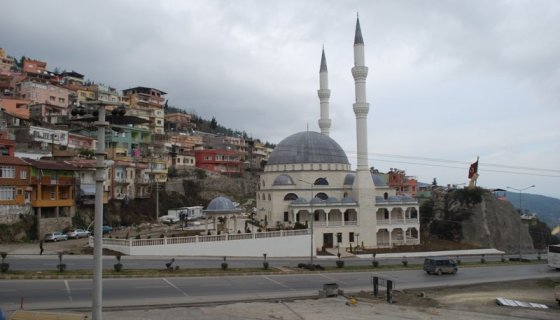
(76, 293)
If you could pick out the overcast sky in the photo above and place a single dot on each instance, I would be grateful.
(448, 80)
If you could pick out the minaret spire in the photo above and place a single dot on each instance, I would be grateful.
(324, 95)
(361, 107)
(358, 39)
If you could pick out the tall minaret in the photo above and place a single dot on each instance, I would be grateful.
(361, 107)
(363, 188)
(324, 94)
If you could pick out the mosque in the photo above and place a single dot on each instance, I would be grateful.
(308, 182)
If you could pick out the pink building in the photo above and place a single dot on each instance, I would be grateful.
(76, 141)
(34, 66)
(43, 92)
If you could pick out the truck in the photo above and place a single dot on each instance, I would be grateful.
(186, 213)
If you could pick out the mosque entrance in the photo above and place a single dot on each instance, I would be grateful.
(327, 240)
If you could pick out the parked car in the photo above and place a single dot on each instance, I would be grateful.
(439, 265)
(77, 234)
(104, 229)
(107, 229)
(55, 236)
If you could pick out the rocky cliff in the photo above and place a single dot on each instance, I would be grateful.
(478, 218)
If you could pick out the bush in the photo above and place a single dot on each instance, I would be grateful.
(4, 267)
(340, 264)
(118, 266)
(469, 196)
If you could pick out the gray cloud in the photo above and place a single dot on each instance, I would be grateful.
(448, 80)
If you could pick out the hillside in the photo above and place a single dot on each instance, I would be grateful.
(475, 217)
(546, 208)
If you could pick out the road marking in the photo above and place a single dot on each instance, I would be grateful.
(333, 279)
(278, 283)
(177, 288)
(152, 287)
(68, 289)
(210, 285)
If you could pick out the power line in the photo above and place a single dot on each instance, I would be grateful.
(444, 163)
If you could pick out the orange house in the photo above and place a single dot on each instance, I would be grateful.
(52, 198)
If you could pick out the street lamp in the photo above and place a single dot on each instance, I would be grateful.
(312, 214)
(520, 212)
(100, 156)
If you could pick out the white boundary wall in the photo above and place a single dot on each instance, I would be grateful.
(275, 244)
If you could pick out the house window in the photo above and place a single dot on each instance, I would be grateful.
(7, 172)
(53, 195)
(351, 237)
(7, 193)
(286, 216)
(23, 174)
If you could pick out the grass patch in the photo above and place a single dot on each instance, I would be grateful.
(196, 272)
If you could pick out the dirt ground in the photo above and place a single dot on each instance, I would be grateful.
(481, 298)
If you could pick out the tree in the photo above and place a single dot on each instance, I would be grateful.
(213, 123)
(434, 183)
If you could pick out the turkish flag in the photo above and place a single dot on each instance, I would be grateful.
(473, 169)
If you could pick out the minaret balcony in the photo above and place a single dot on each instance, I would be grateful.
(360, 72)
(324, 93)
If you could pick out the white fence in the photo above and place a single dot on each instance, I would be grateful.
(284, 243)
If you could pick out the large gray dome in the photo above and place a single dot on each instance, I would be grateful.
(308, 147)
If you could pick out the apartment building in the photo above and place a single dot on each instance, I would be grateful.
(151, 101)
(6, 63)
(222, 161)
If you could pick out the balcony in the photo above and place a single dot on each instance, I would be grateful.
(334, 223)
(121, 181)
(52, 203)
(397, 222)
(61, 181)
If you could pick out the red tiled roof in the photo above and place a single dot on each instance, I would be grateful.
(50, 165)
(12, 160)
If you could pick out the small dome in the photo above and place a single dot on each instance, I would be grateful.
(300, 200)
(348, 200)
(349, 179)
(332, 200)
(378, 181)
(316, 200)
(283, 180)
(308, 147)
(221, 204)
